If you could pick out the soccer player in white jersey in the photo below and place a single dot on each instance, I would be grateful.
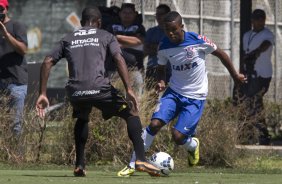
(188, 86)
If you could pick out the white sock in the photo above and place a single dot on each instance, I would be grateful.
(148, 140)
(190, 144)
(132, 160)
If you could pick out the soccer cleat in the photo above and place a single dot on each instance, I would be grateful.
(79, 172)
(194, 156)
(148, 168)
(126, 172)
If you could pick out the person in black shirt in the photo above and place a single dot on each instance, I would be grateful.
(13, 67)
(88, 86)
(130, 34)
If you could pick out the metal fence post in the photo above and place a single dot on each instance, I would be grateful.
(276, 51)
(232, 44)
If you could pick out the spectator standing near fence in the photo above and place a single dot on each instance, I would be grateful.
(153, 37)
(86, 51)
(130, 34)
(257, 66)
(13, 67)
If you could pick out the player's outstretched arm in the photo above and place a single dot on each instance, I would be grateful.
(226, 61)
(42, 101)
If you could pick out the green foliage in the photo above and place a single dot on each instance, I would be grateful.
(51, 140)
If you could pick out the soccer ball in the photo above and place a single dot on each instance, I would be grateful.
(163, 161)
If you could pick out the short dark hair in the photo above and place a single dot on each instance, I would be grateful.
(173, 16)
(128, 5)
(258, 14)
(165, 7)
(91, 14)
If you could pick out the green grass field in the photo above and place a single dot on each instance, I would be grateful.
(101, 175)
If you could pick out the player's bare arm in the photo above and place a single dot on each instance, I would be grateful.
(42, 101)
(19, 46)
(226, 61)
(123, 73)
(161, 78)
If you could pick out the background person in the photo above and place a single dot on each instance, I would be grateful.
(130, 34)
(153, 37)
(13, 66)
(257, 66)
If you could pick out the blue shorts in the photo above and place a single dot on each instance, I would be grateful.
(189, 111)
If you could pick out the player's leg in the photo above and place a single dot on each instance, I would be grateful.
(134, 132)
(165, 111)
(191, 144)
(80, 136)
(115, 105)
(148, 136)
(185, 127)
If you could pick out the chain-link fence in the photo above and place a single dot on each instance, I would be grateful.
(219, 20)
(213, 18)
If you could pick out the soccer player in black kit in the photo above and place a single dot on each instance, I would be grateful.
(86, 51)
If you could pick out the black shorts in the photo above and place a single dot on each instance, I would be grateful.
(112, 103)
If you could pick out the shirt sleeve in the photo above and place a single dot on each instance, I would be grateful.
(58, 52)
(114, 46)
(209, 46)
(270, 37)
(162, 59)
(20, 33)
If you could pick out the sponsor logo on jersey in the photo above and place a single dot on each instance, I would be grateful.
(85, 32)
(186, 129)
(184, 67)
(86, 93)
(82, 41)
(190, 52)
(85, 42)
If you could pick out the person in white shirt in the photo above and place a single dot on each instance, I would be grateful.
(257, 44)
(185, 96)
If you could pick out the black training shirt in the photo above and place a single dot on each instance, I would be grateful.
(13, 66)
(86, 51)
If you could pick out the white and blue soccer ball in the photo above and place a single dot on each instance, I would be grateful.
(163, 161)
